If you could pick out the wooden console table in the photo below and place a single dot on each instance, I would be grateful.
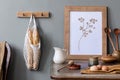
(66, 74)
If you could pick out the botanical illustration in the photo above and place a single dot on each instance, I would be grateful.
(86, 27)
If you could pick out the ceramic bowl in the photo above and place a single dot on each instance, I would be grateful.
(108, 59)
(74, 67)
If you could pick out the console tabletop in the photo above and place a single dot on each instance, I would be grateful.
(66, 74)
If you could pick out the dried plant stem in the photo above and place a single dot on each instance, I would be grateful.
(79, 42)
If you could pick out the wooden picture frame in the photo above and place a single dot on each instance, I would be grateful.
(84, 34)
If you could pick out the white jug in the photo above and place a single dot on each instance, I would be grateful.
(59, 55)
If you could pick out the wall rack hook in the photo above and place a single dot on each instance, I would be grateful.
(24, 14)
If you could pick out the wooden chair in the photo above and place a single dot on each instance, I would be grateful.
(6, 60)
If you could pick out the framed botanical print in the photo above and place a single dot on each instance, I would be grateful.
(84, 34)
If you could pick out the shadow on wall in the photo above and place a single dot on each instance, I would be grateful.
(110, 50)
(45, 48)
(16, 65)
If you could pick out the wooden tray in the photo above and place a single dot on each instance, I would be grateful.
(113, 69)
(87, 71)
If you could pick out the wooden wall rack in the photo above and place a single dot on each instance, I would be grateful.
(24, 14)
